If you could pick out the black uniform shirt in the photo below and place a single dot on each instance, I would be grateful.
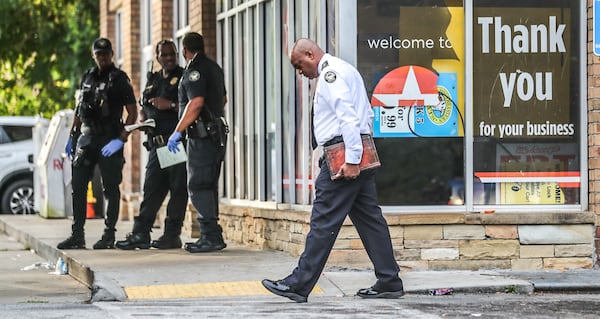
(159, 86)
(203, 77)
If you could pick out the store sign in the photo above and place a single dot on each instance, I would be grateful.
(416, 101)
(523, 73)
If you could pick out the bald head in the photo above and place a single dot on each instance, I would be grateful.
(305, 57)
(304, 45)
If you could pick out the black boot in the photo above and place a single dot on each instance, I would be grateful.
(75, 241)
(107, 241)
(206, 244)
(167, 241)
(135, 240)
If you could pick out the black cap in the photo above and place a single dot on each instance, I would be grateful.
(101, 44)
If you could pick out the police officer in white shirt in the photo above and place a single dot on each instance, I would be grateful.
(342, 112)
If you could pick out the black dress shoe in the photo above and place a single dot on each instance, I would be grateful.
(205, 245)
(281, 288)
(372, 293)
(135, 240)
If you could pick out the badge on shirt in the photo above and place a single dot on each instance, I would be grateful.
(173, 80)
(330, 76)
(194, 76)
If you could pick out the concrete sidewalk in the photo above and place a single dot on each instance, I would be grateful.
(238, 270)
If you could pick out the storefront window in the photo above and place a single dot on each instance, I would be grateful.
(411, 56)
(523, 115)
(526, 102)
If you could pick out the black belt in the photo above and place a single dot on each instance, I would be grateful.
(338, 139)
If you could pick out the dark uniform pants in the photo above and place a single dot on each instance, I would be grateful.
(335, 200)
(157, 184)
(204, 167)
(111, 171)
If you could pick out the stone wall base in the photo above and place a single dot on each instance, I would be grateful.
(434, 241)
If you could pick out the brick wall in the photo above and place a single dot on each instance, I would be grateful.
(203, 19)
(162, 22)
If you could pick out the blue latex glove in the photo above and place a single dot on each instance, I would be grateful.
(69, 148)
(112, 147)
(173, 140)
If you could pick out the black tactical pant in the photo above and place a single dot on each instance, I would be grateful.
(204, 167)
(111, 171)
(159, 182)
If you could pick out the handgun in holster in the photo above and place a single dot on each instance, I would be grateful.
(74, 138)
(82, 144)
(197, 130)
(149, 143)
(217, 130)
(222, 131)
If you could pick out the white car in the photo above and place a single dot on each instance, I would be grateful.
(16, 168)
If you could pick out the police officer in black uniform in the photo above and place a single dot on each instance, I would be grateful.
(202, 97)
(97, 138)
(159, 102)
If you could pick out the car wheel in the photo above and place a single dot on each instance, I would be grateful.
(18, 198)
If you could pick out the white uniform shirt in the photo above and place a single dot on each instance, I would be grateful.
(341, 106)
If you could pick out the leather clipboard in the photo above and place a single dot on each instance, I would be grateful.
(335, 155)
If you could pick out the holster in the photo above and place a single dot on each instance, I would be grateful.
(218, 130)
(155, 141)
(74, 139)
(83, 143)
(197, 130)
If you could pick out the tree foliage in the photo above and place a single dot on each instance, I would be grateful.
(44, 49)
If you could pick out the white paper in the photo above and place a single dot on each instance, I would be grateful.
(146, 123)
(166, 158)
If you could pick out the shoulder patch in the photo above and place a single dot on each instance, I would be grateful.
(173, 80)
(330, 76)
(194, 76)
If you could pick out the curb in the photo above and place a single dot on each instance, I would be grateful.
(566, 287)
(525, 288)
(102, 289)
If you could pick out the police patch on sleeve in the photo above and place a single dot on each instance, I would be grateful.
(194, 76)
(330, 76)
